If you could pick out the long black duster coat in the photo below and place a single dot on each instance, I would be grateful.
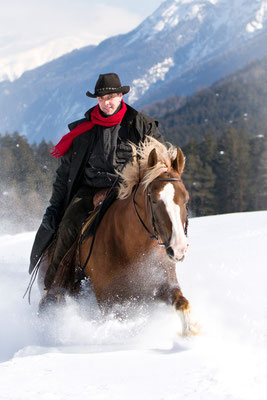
(72, 167)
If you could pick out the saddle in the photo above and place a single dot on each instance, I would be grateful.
(102, 201)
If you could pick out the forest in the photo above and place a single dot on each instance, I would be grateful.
(223, 175)
(226, 174)
(26, 176)
(237, 101)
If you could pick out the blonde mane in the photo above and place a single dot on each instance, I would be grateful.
(138, 167)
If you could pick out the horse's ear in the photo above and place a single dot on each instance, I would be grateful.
(152, 158)
(179, 161)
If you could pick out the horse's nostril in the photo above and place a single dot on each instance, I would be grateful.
(170, 251)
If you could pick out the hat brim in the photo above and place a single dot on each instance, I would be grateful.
(122, 89)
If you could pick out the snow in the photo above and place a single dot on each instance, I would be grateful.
(13, 66)
(259, 18)
(77, 354)
(240, 17)
(154, 74)
(168, 18)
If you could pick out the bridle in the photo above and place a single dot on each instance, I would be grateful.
(154, 234)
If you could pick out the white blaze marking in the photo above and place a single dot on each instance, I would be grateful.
(178, 239)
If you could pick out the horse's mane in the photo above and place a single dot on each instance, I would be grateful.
(138, 167)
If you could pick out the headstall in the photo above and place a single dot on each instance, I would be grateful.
(154, 234)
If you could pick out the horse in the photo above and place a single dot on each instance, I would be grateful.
(143, 234)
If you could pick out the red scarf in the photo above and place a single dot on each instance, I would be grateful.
(96, 119)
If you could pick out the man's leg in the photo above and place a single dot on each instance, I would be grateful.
(69, 229)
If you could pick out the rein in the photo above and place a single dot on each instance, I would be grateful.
(80, 271)
(154, 235)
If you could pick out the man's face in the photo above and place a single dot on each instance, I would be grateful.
(109, 103)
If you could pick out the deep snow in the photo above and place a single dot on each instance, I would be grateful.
(77, 355)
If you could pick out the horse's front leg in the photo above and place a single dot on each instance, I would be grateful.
(182, 305)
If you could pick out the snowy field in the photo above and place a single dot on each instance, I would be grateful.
(78, 355)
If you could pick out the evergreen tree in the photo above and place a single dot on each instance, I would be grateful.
(208, 148)
(47, 164)
(25, 180)
(260, 192)
(199, 180)
(232, 171)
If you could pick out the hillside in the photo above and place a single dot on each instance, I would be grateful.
(238, 101)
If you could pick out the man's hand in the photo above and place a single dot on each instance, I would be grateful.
(50, 221)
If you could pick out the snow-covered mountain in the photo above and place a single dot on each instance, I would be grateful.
(13, 65)
(194, 37)
(183, 45)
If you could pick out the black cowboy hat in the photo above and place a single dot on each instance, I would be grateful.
(108, 83)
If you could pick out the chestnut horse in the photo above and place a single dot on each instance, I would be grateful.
(142, 234)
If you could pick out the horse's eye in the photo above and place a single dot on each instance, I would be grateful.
(154, 202)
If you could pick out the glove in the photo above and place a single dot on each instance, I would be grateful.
(50, 220)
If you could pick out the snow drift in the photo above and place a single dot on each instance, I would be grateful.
(76, 354)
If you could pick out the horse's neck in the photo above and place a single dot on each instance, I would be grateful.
(140, 210)
(140, 199)
(124, 227)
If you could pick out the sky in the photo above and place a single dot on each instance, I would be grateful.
(25, 22)
(33, 32)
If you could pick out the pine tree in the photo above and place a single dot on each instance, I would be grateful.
(25, 180)
(47, 164)
(199, 180)
(208, 149)
(232, 170)
(259, 196)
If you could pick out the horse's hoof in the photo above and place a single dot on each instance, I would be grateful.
(189, 327)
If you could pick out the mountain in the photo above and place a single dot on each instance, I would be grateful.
(15, 64)
(238, 101)
(182, 46)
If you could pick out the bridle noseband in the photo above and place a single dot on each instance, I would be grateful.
(154, 234)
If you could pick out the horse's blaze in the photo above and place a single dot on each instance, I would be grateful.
(178, 241)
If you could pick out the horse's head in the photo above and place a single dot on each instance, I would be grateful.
(168, 200)
(156, 170)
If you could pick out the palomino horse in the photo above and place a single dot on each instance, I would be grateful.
(143, 233)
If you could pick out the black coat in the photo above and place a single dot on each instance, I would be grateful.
(72, 167)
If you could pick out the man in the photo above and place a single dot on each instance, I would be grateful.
(91, 152)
